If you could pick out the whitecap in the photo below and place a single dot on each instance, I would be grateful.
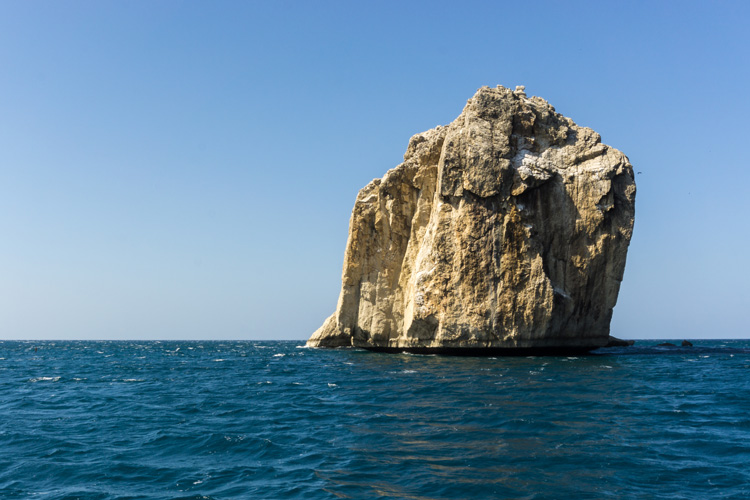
(280, 355)
(44, 379)
(409, 371)
(332, 385)
(218, 360)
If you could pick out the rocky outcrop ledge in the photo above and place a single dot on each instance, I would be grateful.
(504, 232)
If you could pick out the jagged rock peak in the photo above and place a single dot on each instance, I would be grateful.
(507, 229)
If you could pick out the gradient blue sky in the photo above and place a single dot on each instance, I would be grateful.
(186, 170)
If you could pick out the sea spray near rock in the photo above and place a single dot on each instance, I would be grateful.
(506, 230)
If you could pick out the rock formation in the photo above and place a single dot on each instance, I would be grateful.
(505, 230)
(615, 342)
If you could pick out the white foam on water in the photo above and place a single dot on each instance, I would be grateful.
(280, 355)
(218, 360)
(409, 371)
(44, 379)
(332, 385)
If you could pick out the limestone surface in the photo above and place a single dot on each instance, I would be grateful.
(508, 228)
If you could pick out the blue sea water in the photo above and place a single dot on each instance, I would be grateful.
(272, 420)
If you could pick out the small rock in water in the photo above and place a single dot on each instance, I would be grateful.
(666, 344)
(687, 343)
(615, 342)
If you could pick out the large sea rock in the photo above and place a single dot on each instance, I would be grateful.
(505, 231)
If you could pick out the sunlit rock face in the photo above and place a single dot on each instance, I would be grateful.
(507, 229)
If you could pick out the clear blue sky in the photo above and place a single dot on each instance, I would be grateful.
(186, 170)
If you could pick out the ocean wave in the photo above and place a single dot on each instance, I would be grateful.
(44, 379)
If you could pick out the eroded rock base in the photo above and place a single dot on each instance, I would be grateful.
(488, 351)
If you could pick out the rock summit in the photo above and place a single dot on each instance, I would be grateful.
(503, 232)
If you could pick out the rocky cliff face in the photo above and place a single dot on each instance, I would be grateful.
(507, 228)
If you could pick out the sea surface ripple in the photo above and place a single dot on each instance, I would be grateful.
(273, 420)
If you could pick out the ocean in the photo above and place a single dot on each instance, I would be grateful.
(273, 420)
